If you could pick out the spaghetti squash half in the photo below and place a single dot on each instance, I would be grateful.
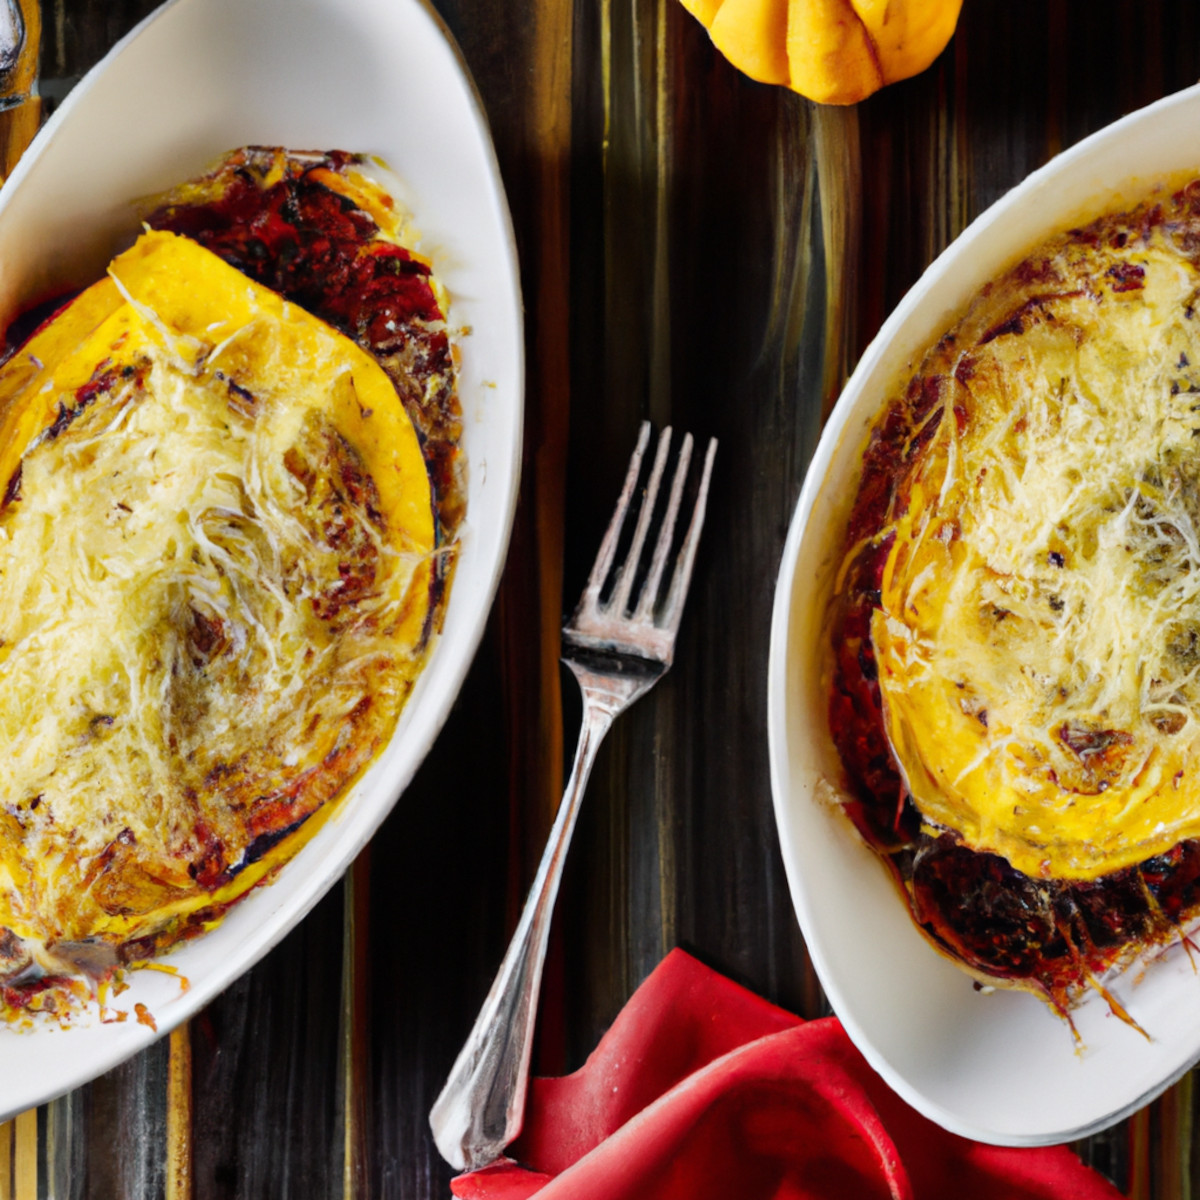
(1015, 679)
(221, 565)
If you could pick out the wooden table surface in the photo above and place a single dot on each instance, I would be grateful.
(703, 251)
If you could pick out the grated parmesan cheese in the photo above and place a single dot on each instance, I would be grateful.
(1040, 665)
(214, 588)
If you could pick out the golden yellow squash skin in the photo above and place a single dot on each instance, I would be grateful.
(746, 32)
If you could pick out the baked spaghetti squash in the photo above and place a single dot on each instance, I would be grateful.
(1015, 679)
(222, 558)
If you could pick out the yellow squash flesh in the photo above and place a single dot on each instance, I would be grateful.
(1037, 637)
(169, 575)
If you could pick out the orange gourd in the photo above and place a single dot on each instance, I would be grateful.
(832, 51)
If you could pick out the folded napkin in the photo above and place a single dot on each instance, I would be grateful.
(701, 1089)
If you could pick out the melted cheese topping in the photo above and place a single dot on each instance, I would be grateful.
(214, 591)
(1038, 637)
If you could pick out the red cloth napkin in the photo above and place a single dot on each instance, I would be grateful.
(702, 1089)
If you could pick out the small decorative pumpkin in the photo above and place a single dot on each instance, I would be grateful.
(832, 51)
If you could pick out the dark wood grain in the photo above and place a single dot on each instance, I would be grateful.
(703, 251)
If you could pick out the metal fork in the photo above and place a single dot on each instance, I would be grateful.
(618, 643)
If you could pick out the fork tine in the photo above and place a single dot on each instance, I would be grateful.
(628, 569)
(608, 547)
(673, 607)
(616, 658)
(662, 548)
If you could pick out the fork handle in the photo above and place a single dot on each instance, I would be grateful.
(482, 1104)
